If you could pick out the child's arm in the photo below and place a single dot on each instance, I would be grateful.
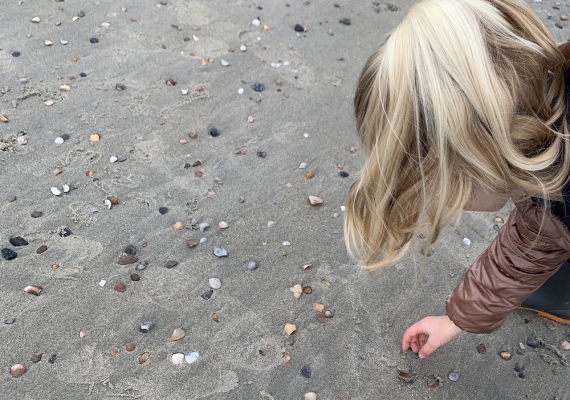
(528, 250)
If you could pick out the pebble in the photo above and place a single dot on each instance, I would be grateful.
(453, 376)
(41, 249)
(252, 265)
(240, 91)
(481, 349)
(220, 252)
(139, 138)
(256, 22)
(299, 28)
(23, 81)
(112, 159)
(343, 174)
(83, 74)
(207, 295)
(9, 321)
(177, 358)
(135, 277)
(302, 165)
(146, 326)
(163, 210)
(257, 86)
(16, 54)
(271, 224)
(18, 241)
(215, 283)
(203, 240)
(10, 198)
(93, 40)
(55, 191)
(63, 41)
(106, 25)
(130, 249)
(9, 254)
(140, 267)
(565, 345)
(315, 201)
(242, 48)
(144, 357)
(532, 342)
(214, 132)
(121, 158)
(496, 228)
(191, 357)
(191, 243)
(120, 287)
(94, 137)
(64, 231)
(344, 21)
(432, 383)
(127, 259)
(306, 371)
(171, 264)
(52, 359)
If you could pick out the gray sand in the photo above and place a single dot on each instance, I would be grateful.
(353, 355)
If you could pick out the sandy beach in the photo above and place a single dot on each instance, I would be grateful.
(122, 121)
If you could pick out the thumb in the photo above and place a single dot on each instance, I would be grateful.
(428, 348)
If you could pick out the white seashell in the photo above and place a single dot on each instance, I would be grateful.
(191, 357)
(342, 208)
(224, 63)
(242, 47)
(240, 91)
(203, 226)
(184, 91)
(223, 225)
(58, 140)
(113, 159)
(105, 25)
(466, 242)
(55, 191)
(275, 65)
(177, 358)
(203, 240)
(215, 283)
(65, 188)
(286, 63)
(286, 243)
(195, 37)
(297, 290)
(63, 41)
(315, 201)
(302, 165)
(102, 282)
(256, 22)
(565, 345)
(311, 396)
(271, 224)
(108, 203)
(306, 135)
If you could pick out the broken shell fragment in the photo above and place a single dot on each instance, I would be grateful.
(130, 347)
(191, 243)
(82, 334)
(215, 317)
(306, 266)
(17, 370)
(36, 357)
(177, 359)
(311, 396)
(405, 377)
(177, 334)
(315, 201)
(290, 329)
(146, 326)
(191, 357)
(178, 226)
(114, 200)
(286, 358)
(36, 290)
(318, 307)
(55, 191)
(144, 358)
(36, 20)
(223, 225)
(321, 317)
(215, 283)
(113, 352)
(505, 355)
(297, 290)
(565, 345)
(65, 88)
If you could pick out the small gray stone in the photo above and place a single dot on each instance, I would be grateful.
(76, 141)
(203, 240)
(121, 158)
(140, 267)
(9, 321)
(252, 265)
(10, 198)
(220, 252)
(139, 137)
(271, 224)
(453, 376)
(146, 326)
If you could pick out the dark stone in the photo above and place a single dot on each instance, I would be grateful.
(16, 54)
(207, 295)
(135, 277)
(481, 349)
(532, 342)
(306, 371)
(257, 86)
(96, 179)
(171, 264)
(344, 21)
(10, 198)
(187, 165)
(496, 228)
(9, 321)
(65, 136)
(214, 132)
(94, 40)
(121, 158)
(81, 14)
(517, 368)
(163, 210)
(9, 254)
(522, 375)
(65, 232)
(299, 28)
(83, 74)
(520, 351)
(261, 154)
(42, 249)
(126, 259)
(52, 358)
(344, 174)
(18, 241)
(130, 249)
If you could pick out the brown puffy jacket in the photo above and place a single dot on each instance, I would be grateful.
(529, 249)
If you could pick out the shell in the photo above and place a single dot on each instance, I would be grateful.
(94, 137)
(286, 358)
(130, 347)
(565, 345)
(191, 357)
(309, 174)
(311, 396)
(65, 88)
(215, 283)
(306, 266)
(108, 204)
(114, 200)
(223, 225)
(113, 352)
(297, 290)
(290, 329)
(505, 355)
(49, 103)
(82, 334)
(36, 357)
(405, 376)
(144, 358)
(203, 226)
(318, 307)
(37, 290)
(315, 201)
(178, 226)
(55, 191)
(307, 290)
(321, 317)
(177, 334)
(66, 188)
(177, 358)
(215, 317)
(17, 370)
(498, 221)
(328, 314)
(36, 20)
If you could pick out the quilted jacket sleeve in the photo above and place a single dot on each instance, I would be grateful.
(528, 250)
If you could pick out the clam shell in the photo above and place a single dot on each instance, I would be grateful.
(37, 290)
(144, 358)
(315, 201)
(191, 357)
(36, 357)
(498, 221)
(311, 396)
(203, 226)
(405, 376)
(307, 290)
(130, 347)
(215, 283)
(290, 329)
(223, 225)
(286, 358)
(309, 174)
(178, 226)
(177, 334)
(215, 317)
(177, 359)
(328, 314)
(55, 191)
(17, 370)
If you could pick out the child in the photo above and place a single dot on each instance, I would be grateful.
(462, 108)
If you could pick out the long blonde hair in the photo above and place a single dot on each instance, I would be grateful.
(463, 94)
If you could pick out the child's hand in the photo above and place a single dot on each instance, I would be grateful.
(428, 334)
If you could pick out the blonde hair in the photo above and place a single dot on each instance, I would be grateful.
(463, 94)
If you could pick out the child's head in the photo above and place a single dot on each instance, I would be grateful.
(463, 94)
